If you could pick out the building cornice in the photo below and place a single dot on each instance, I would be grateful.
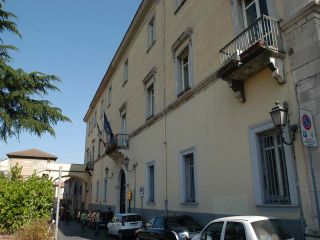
(312, 7)
(142, 12)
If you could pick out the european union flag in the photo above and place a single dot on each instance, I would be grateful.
(107, 128)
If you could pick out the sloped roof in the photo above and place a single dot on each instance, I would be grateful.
(32, 153)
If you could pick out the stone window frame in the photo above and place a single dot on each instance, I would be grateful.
(182, 44)
(183, 192)
(255, 154)
(147, 190)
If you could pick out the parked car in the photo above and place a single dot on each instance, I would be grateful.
(169, 228)
(124, 225)
(244, 228)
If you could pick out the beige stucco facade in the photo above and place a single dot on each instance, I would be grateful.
(206, 120)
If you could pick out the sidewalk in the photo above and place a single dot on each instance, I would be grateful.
(73, 231)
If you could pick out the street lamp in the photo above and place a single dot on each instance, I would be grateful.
(107, 173)
(279, 116)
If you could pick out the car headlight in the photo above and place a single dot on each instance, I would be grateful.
(183, 235)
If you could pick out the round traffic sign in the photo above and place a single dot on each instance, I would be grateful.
(306, 122)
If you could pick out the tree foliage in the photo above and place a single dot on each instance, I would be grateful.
(22, 104)
(23, 201)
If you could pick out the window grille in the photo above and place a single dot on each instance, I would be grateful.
(274, 170)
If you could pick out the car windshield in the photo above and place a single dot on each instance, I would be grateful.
(270, 229)
(183, 221)
(131, 218)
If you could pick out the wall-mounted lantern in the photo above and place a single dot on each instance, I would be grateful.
(279, 116)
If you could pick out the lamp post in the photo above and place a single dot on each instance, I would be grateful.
(279, 116)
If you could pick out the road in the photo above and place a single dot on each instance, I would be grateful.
(73, 231)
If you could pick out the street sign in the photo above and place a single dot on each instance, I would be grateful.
(308, 133)
(141, 191)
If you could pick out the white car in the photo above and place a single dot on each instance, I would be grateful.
(244, 228)
(124, 225)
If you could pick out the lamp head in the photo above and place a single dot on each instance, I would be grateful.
(279, 115)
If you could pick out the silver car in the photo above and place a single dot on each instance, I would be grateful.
(244, 228)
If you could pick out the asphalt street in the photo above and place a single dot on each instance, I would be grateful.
(73, 231)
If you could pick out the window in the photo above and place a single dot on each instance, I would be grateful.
(105, 190)
(151, 183)
(93, 143)
(245, 12)
(109, 95)
(213, 231)
(97, 192)
(273, 172)
(123, 130)
(123, 123)
(151, 32)
(94, 121)
(125, 71)
(89, 127)
(179, 3)
(188, 177)
(101, 108)
(183, 66)
(150, 100)
(100, 149)
(252, 10)
(235, 230)
(273, 169)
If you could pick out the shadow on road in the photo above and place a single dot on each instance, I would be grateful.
(74, 231)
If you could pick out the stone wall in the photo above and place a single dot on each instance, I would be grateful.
(302, 34)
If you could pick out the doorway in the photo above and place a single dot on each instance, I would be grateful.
(122, 192)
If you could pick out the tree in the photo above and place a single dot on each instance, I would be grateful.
(23, 201)
(22, 104)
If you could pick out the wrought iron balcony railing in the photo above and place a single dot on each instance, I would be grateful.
(90, 165)
(120, 141)
(264, 30)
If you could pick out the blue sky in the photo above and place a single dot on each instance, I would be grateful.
(76, 40)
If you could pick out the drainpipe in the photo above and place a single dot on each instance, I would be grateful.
(302, 219)
(165, 151)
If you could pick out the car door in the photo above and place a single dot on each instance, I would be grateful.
(156, 231)
(212, 231)
(144, 232)
(235, 231)
(117, 225)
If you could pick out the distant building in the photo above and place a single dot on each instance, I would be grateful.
(74, 176)
(181, 117)
(73, 195)
(31, 160)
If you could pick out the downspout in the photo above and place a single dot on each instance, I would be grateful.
(302, 218)
(165, 151)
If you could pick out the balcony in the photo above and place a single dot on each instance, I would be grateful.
(257, 47)
(120, 141)
(90, 166)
